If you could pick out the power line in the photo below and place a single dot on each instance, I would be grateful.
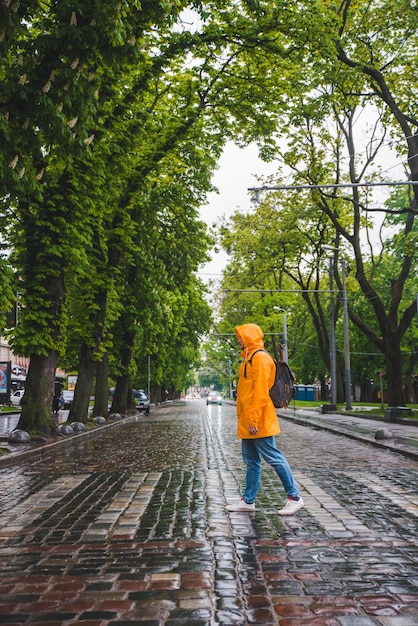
(281, 290)
(331, 186)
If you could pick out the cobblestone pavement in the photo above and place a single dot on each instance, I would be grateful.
(130, 526)
(404, 435)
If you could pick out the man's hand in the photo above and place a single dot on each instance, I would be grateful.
(253, 430)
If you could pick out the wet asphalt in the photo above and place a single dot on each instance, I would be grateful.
(128, 525)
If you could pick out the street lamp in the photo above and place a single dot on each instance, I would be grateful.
(285, 348)
(347, 365)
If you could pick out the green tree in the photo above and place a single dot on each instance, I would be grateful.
(56, 60)
(262, 254)
(178, 121)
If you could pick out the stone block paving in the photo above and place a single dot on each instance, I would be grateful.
(130, 526)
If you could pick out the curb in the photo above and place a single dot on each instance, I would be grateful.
(12, 458)
(412, 454)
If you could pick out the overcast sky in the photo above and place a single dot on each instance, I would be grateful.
(238, 170)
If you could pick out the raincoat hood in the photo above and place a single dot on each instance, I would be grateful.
(251, 336)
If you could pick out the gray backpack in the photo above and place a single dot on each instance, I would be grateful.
(283, 389)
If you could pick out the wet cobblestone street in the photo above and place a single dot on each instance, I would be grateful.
(129, 526)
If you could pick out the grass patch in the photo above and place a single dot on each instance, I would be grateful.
(358, 408)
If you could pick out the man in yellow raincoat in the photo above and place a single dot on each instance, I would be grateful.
(258, 423)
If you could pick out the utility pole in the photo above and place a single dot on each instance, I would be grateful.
(347, 364)
(332, 347)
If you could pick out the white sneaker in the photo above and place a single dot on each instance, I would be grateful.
(240, 506)
(291, 507)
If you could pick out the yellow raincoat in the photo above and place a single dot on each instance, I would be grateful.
(254, 406)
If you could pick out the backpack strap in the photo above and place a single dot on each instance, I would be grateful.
(250, 360)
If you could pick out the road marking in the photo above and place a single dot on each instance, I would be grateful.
(333, 517)
(405, 500)
(23, 515)
(121, 518)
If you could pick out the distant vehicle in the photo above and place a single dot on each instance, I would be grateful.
(66, 399)
(214, 397)
(16, 397)
(142, 401)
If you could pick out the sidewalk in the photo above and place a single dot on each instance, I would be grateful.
(364, 428)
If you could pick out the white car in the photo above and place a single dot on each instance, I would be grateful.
(16, 397)
(214, 397)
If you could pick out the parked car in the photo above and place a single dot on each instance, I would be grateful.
(142, 401)
(66, 399)
(16, 397)
(214, 397)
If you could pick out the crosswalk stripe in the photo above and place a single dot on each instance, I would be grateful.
(24, 513)
(333, 517)
(405, 500)
(121, 518)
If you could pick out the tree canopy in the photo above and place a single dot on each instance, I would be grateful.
(362, 60)
(112, 120)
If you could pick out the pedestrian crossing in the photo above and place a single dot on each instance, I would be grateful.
(25, 513)
(404, 499)
(333, 517)
(120, 518)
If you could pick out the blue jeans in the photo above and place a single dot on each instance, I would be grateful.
(252, 451)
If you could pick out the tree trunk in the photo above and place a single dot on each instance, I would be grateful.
(396, 393)
(86, 368)
(101, 393)
(36, 416)
(324, 392)
(123, 384)
(120, 398)
(155, 393)
(130, 400)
